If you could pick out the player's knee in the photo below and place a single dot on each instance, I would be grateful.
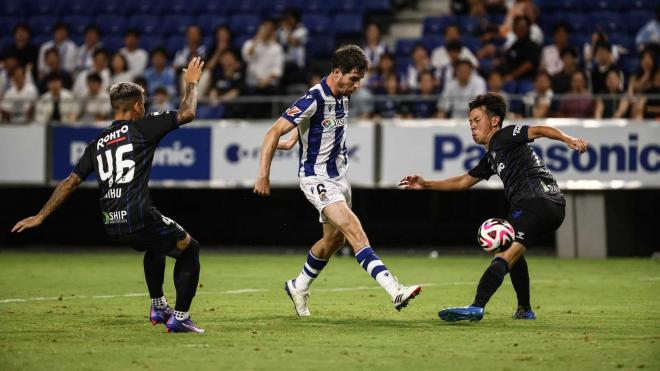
(184, 243)
(191, 253)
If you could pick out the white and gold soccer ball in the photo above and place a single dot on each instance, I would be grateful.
(494, 234)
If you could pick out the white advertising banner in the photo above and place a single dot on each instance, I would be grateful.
(22, 154)
(236, 150)
(621, 153)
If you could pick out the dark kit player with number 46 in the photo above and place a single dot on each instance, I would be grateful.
(122, 157)
(536, 205)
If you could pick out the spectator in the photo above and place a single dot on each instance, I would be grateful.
(137, 57)
(387, 105)
(526, 9)
(650, 33)
(160, 74)
(228, 82)
(119, 69)
(426, 104)
(579, 103)
(440, 56)
(85, 53)
(100, 66)
(374, 47)
(459, 91)
(194, 48)
(18, 102)
(550, 54)
(649, 107)
(57, 104)
(561, 81)
(589, 49)
(23, 48)
(614, 104)
(292, 35)
(538, 101)
(643, 80)
(604, 63)
(420, 63)
(161, 101)
(522, 58)
(446, 74)
(9, 63)
(386, 66)
(223, 42)
(66, 48)
(52, 58)
(265, 60)
(96, 104)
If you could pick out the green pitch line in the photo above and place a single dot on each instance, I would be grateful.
(89, 311)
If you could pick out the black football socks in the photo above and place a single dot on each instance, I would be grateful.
(520, 280)
(154, 273)
(490, 281)
(186, 276)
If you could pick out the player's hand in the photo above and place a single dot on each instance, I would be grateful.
(262, 186)
(577, 144)
(193, 72)
(415, 182)
(27, 223)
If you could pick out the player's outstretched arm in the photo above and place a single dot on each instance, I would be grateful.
(191, 76)
(457, 183)
(60, 194)
(271, 140)
(289, 143)
(543, 131)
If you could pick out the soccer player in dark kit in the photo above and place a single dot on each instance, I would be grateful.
(122, 157)
(536, 205)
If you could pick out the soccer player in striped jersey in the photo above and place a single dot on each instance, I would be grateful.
(320, 119)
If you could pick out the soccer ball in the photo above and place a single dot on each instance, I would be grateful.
(495, 233)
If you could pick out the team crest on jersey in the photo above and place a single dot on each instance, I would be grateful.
(293, 111)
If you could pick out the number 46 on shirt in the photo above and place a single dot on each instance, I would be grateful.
(118, 163)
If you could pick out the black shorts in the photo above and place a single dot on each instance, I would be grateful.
(534, 218)
(161, 237)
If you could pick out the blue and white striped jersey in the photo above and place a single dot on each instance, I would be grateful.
(321, 119)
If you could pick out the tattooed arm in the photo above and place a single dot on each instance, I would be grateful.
(60, 194)
(191, 76)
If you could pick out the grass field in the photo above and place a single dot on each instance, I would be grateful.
(89, 311)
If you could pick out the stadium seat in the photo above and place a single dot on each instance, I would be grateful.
(79, 7)
(437, 25)
(174, 44)
(7, 24)
(42, 24)
(432, 42)
(469, 24)
(317, 24)
(240, 40)
(624, 40)
(244, 24)
(209, 22)
(116, 7)
(144, 7)
(317, 6)
(43, 7)
(629, 64)
(524, 86)
(150, 43)
(348, 23)
(177, 23)
(569, 5)
(509, 86)
(146, 24)
(636, 19)
(404, 47)
(349, 6)
(471, 42)
(320, 46)
(212, 7)
(6, 41)
(578, 40)
(111, 25)
(113, 43)
(610, 21)
(579, 22)
(242, 7)
(608, 5)
(377, 6)
(77, 23)
(14, 8)
(643, 4)
(206, 112)
(188, 7)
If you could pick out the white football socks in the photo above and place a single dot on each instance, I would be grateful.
(159, 303)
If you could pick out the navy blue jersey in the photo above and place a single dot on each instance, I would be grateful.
(121, 157)
(522, 171)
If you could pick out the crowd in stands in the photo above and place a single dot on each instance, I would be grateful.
(545, 64)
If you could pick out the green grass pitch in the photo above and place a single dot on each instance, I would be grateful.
(89, 311)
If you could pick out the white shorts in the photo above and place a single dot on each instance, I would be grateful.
(322, 191)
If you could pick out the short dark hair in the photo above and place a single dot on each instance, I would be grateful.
(543, 73)
(462, 62)
(92, 27)
(123, 95)
(60, 26)
(160, 90)
(159, 50)
(348, 58)
(52, 50)
(454, 45)
(562, 26)
(494, 104)
(94, 77)
(101, 51)
(53, 76)
(568, 50)
(519, 18)
(293, 13)
(23, 26)
(602, 44)
(132, 32)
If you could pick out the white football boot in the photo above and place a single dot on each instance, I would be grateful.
(299, 298)
(404, 294)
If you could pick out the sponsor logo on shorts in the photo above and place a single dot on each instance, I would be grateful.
(320, 188)
(115, 217)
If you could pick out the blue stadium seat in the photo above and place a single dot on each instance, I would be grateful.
(42, 24)
(320, 46)
(6, 41)
(244, 24)
(609, 21)
(243, 7)
(14, 8)
(117, 7)
(317, 6)
(404, 47)
(43, 7)
(349, 6)
(150, 43)
(7, 24)
(471, 42)
(212, 7)
(624, 40)
(79, 7)
(77, 23)
(579, 39)
(569, 5)
(377, 6)
(432, 42)
(209, 22)
(629, 64)
(205, 112)
(643, 4)
(174, 43)
(240, 40)
(579, 22)
(144, 7)
(317, 23)
(437, 25)
(181, 6)
(146, 24)
(111, 25)
(40, 39)
(524, 86)
(548, 21)
(636, 19)
(510, 86)
(176, 24)
(469, 24)
(348, 23)
(113, 43)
